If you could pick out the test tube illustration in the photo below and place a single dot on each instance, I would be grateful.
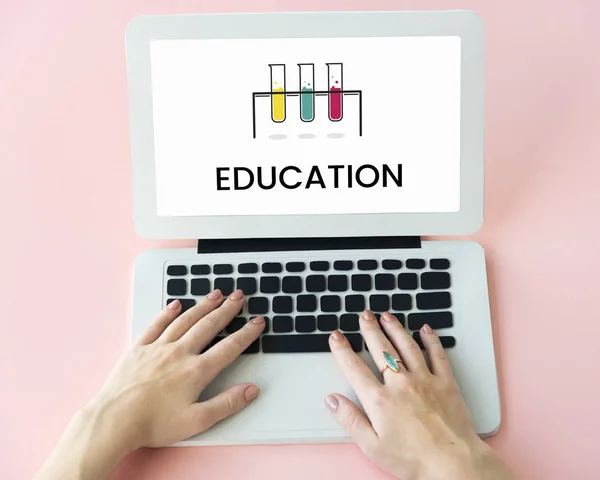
(307, 86)
(277, 92)
(335, 77)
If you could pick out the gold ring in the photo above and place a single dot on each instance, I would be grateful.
(391, 363)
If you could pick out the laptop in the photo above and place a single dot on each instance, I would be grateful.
(308, 154)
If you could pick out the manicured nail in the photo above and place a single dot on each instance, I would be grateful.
(214, 294)
(258, 320)
(337, 335)
(251, 393)
(237, 295)
(368, 315)
(332, 403)
(174, 305)
(427, 329)
(388, 317)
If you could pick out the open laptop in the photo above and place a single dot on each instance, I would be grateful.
(308, 153)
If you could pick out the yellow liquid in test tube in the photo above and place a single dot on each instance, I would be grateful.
(278, 105)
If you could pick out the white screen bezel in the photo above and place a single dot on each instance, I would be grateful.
(465, 24)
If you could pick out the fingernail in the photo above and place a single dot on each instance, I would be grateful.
(258, 320)
(368, 315)
(388, 317)
(332, 403)
(214, 294)
(251, 393)
(427, 329)
(237, 295)
(174, 305)
(337, 335)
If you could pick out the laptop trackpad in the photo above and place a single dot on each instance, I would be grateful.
(293, 387)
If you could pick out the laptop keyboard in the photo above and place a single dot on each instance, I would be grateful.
(303, 302)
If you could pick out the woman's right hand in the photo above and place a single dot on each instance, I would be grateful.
(418, 427)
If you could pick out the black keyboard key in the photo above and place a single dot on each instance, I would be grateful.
(355, 303)
(439, 264)
(223, 269)
(447, 342)
(401, 301)
(384, 281)
(258, 305)
(247, 268)
(349, 322)
(283, 305)
(435, 281)
(315, 283)
(367, 264)
(295, 266)
(331, 303)
(313, 343)
(246, 285)
(186, 303)
(177, 270)
(306, 303)
(319, 266)
(391, 264)
(408, 281)
(271, 267)
(282, 324)
(399, 316)
(434, 319)
(199, 286)
(327, 323)
(200, 269)
(177, 287)
(306, 323)
(361, 282)
(292, 285)
(379, 303)
(225, 285)
(337, 283)
(266, 329)
(253, 348)
(236, 324)
(343, 265)
(269, 284)
(415, 263)
(433, 301)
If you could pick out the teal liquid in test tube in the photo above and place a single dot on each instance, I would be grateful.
(307, 86)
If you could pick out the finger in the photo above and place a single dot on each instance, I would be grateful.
(358, 374)
(188, 319)
(204, 415)
(377, 341)
(352, 420)
(440, 365)
(201, 333)
(405, 345)
(217, 358)
(162, 321)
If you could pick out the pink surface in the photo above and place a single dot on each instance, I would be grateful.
(68, 238)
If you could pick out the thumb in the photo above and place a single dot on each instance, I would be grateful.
(205, 414)
(351, 419)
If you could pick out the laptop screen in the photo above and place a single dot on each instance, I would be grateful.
(306, 126)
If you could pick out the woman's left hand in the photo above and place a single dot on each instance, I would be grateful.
(151, 397)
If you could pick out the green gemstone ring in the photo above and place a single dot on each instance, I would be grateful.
(391, 363)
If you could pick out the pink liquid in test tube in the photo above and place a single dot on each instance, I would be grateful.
(335, 75)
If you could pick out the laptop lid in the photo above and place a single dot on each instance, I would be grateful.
(307, 124)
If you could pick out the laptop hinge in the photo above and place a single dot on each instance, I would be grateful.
(231, 245)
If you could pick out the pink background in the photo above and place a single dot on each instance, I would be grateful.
(68, 238)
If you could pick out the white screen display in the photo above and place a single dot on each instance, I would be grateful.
(306, 126)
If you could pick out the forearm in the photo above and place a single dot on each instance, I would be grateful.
(481, 463)
(90, 448)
